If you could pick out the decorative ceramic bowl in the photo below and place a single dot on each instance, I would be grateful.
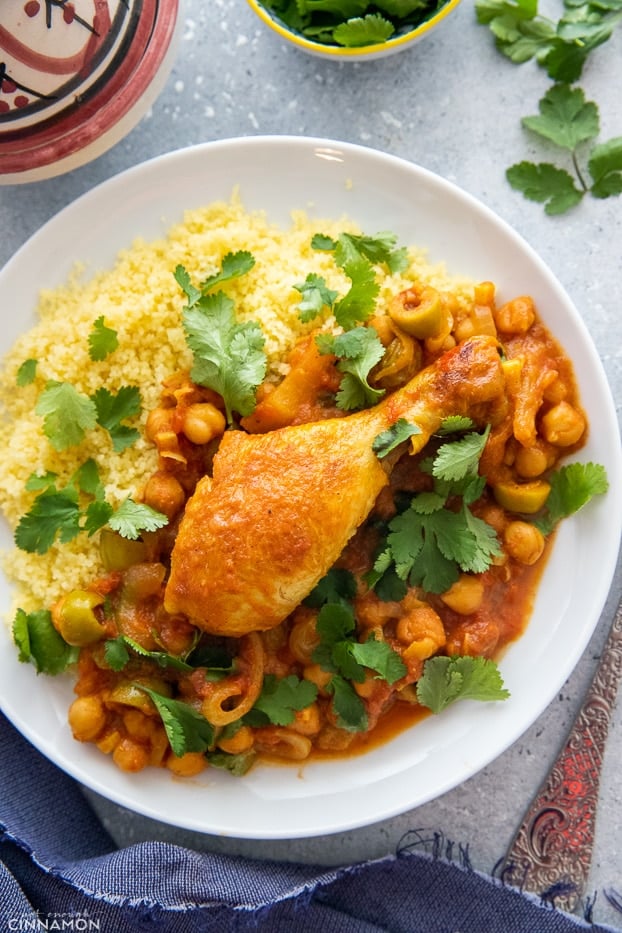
(402, 39)
(77, 77)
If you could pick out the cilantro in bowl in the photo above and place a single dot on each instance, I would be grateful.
(352, 23)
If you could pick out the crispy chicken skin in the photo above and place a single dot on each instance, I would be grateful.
(281, 506)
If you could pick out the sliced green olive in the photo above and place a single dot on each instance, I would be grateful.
(118, 553)
(522, 497)
(421, 319)
(129, 693)
(76, 620)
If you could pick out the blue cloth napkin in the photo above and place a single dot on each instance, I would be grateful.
(61, 870)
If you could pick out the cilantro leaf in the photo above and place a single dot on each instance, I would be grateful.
(446, 680)
(187, 730)
(572, 487)
(232, 266)
(359, 350)
(457, 459)
(38, 642)
(117, 653)
(229, 356)
(103, 340)
(131, 518)
(453, 424)
(97, 514)
(380, 248)
(53, 513)
(359, 302)
(67, 414)
(365, 30)
(279, 699)
(316, 296)
(605, 167)
(388, 440)
(338, 586)
(238, 765)
(27, 372)
(565, 118)
(349, 709)
(113, 409)
(546, 184)
(380, 657)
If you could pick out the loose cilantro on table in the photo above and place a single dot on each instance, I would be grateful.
(565, 118)
(228, 355)
(40, 644)
(448, 679)
(103, 340)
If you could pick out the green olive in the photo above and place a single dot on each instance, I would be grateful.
(421, 319)
(118, 553)
(76, 620)
(129, 693)
(522, 497)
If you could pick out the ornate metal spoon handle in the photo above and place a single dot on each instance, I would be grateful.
(552, 850)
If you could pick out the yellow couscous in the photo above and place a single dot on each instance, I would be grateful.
(140, 299)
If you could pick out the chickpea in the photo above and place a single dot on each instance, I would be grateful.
(242, 741)
(307, 721)
(515, 316)
(317, 676)
(563, 425)
(524, 542)
(186, 765)
(531, 462)
(423, 631)
(137, 725)
(87, 718)
(164, 493)
(465, 596)
(202, 421)
(130, 755)
(108, 741)
(160, 421)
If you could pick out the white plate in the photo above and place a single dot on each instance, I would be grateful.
(380, 192)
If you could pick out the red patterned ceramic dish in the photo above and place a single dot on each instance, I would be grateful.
(75, 77)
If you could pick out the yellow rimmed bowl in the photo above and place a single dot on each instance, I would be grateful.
(401, 40)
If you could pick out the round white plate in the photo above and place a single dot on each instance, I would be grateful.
(379, 192)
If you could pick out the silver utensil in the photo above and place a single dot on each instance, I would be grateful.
(552, 850)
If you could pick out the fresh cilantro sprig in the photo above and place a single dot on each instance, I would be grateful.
(448, 679)
(39, 643)
(358, 350)
(27, 372)
(316, 296)
(68, 414)
(63, 512)
(570, 122)
(348, 660)
(561, 47)
(280, 699)
(186, 729)
(572, 487)
(428, 544)
(566, 119)
(229, 355)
